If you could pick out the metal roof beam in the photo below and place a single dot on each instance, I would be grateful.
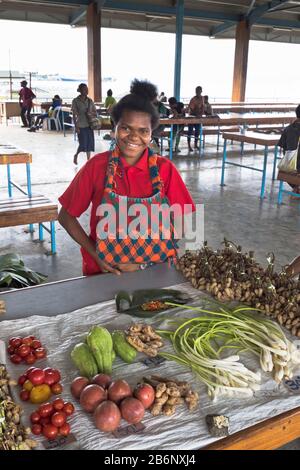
(276, 23)
(77, 16)
(261, 10)
(221, 28)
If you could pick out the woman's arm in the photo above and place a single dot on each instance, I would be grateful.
(294, 268)
(75, 230)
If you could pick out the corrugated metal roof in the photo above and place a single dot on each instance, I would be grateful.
(276, 20)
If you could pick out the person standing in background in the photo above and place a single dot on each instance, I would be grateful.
(195, 108)
(110, 101)
(82, 107)
(26, 96)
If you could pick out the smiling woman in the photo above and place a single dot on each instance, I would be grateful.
(148, 184)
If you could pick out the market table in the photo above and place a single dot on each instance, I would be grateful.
(252, 138)
(11, 155)
(40, 310)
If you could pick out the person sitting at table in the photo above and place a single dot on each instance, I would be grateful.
(113, 181)
(26, 96)
(56, 102)
(177, 111)
(162, 97)
(289, 140)
(195, 108)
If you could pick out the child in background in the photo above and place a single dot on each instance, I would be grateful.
(177, 111)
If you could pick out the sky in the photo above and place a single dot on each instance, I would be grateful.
(128, 54)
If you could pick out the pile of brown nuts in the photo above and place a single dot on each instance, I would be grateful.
(230, 275)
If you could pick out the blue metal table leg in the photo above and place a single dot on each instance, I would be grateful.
(223, 162)
(41, 234)
(280, 193)
(171, 143)
(53, 243)
(9, 181)
(263, 182)
(275, 162)
(28, 179)
(200, 140)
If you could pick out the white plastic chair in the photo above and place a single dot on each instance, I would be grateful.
(55, 118)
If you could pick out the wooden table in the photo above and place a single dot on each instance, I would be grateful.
(11, 155)
(252, 138)
(243, 121)
(65, 296)
(9, 109)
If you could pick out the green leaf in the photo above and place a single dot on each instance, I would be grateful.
(13, 270)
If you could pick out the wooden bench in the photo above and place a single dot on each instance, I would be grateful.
(30, 210)
(292, 179)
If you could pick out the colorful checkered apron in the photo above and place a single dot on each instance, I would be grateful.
(156, 242)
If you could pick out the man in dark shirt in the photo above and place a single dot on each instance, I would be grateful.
(26, 96)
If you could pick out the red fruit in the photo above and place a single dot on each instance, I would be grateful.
(58, 404)
(23, 350)
(37, 377)
(40, 353)
(65, 429)
(30, 359)
(11, 349)
(68, 408)
(16, 359)
(59, 419)
(78, 385)
(56, 388)
(24, 395)
(35, 417)
(36, 344)
(52, 376)
(22, 379)
(27, 340)
(103, 380)
(50, 431)
(36, 429)
(145, 393)
(29, 370)
(132, 410)
(45, 410)
(45, 421)
(15, 342)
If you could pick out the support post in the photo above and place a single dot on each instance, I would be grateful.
(242, 39)
(93, 22)
(178, 47)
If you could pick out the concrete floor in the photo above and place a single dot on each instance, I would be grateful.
(235, 211)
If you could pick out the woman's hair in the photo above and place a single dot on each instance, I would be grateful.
(109, 92)
(57, 97)
(81, 86)
(140, 99)
(172, 100)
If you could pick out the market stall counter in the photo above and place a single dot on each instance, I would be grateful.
(61, 315)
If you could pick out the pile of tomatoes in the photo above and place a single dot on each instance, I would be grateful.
(26, 350)
(39, 384)
(50, 419)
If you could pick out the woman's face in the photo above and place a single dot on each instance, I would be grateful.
(133, 134)
(84, 91)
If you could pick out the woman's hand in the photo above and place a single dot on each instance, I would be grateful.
(128, 267)
(106, 268)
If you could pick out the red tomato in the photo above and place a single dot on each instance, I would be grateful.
(56, 388)
(52, 376)
(22, 379)
(23, 350)
(36, 429)
(68, 408)
(45, 410)
(35, 417)
(30, 359)
(40, 353)
(27, 340)
(58, 404)
(16, 359)
(45, 421)
(58, 419)
(24, 395)
(36, 344)
(11, 349)
(15, 342)
(37, 376)
(29, 370)
(65, 429)
(50, 431)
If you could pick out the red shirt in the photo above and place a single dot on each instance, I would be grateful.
(132, 181)
(26, 95)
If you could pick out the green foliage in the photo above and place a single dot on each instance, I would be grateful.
(13, 273)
